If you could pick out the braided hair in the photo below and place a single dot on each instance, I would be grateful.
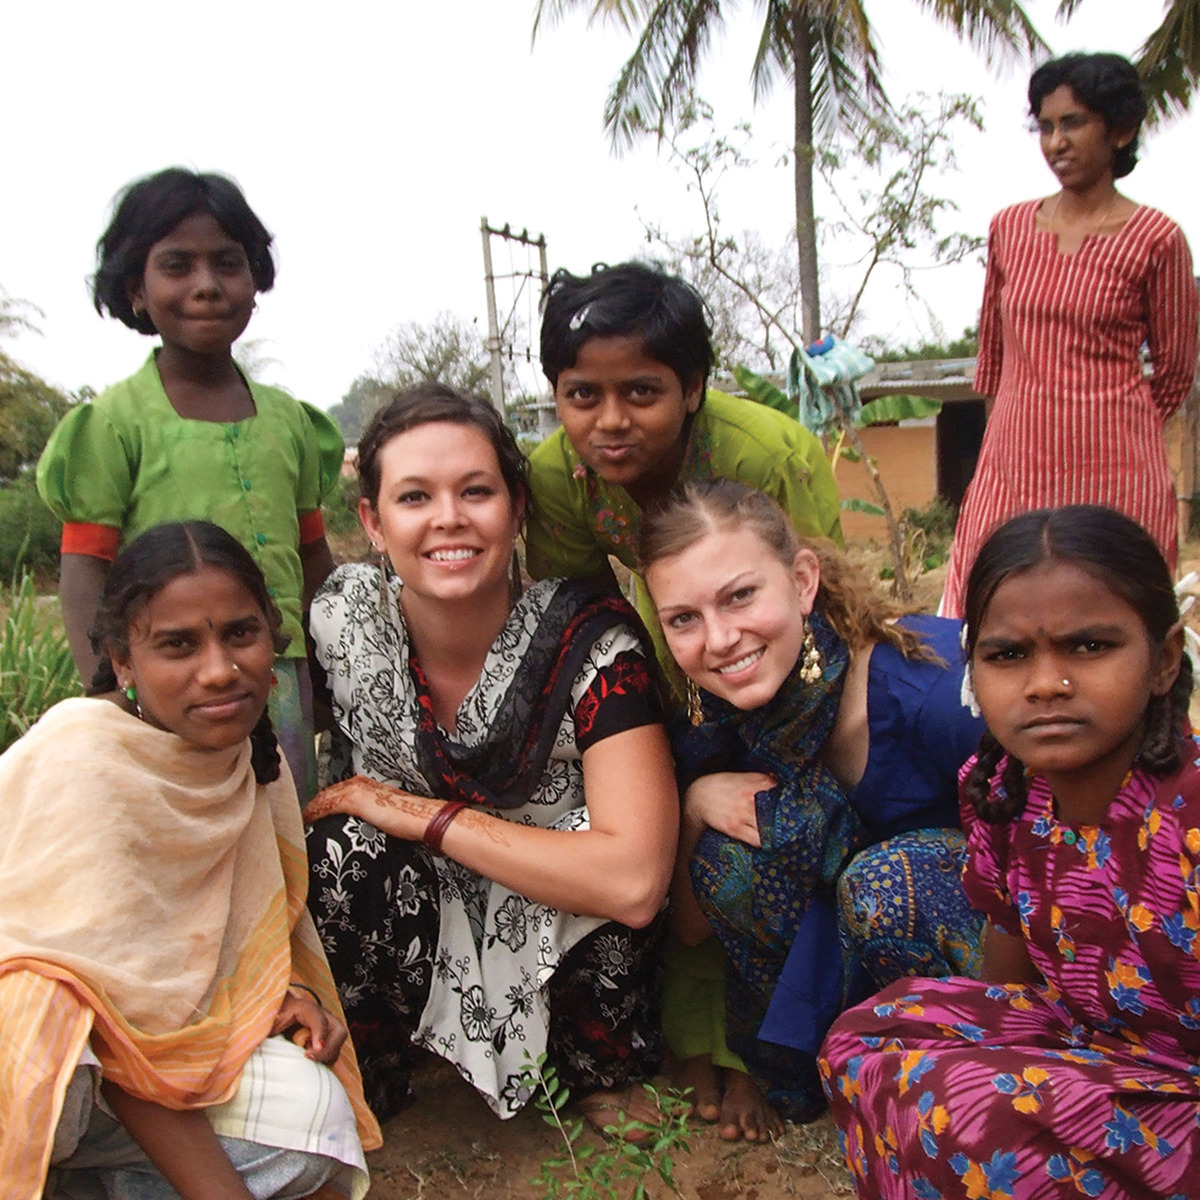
(143, 569)
(1122, 556)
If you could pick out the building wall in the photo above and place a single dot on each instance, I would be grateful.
(907, 459)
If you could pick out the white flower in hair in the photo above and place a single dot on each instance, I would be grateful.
(1187, 598)
(966, 693)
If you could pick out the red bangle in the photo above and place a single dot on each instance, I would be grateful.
(439, 823)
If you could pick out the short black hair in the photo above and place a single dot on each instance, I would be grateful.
(629, 300)
(1108, 84)
(147, 210)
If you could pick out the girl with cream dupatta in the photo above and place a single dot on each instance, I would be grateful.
(153, 934)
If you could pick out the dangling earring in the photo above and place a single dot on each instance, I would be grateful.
(131, 696)
(381, 562)
(695, 711)
(811, 666)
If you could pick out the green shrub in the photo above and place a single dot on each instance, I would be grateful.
(340, 511)
(935, 523)
(36, 668)
(620, 1169)
(29, 532)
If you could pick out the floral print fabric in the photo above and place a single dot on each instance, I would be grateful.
(1088, 1085)
(470, 983)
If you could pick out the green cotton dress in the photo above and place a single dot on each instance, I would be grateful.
(128, 460)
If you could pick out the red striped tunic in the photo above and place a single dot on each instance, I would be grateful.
(1076, 421)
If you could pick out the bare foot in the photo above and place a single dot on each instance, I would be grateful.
(700, 1082)
(745, 1112)
(607, 1111)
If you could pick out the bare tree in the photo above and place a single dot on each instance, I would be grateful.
(447, 349)
(880, 186)
(888, 218)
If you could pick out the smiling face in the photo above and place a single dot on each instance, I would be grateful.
(733, 613)
(197, 287)
(624, 413)
(1076, 144)
(444, 516)
(200, 655)
(1063, 669)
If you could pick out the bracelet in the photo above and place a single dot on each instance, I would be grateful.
(305, 988)
(439, 823)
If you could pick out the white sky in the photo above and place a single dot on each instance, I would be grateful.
(373, 137)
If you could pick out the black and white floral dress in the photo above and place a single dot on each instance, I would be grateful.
(428, 952)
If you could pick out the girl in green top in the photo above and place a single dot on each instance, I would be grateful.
(628, 350)
(189, 436)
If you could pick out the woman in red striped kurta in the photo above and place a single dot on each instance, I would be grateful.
(1076, 284)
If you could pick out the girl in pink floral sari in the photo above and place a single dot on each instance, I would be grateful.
(1072, 1068)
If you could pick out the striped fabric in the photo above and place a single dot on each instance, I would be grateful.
(1076, 421)
(38, 1053)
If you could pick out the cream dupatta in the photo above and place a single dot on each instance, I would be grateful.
(152, 901)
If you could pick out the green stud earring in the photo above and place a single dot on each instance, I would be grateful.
(131, 694)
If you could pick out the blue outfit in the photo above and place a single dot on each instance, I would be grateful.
(920, 734)
(900, 908)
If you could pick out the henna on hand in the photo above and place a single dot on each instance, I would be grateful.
(392, 809)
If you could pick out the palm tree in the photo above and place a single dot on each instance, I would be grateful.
(1169, 59)
(824, 46)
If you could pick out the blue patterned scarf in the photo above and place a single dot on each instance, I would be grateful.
(757, 898)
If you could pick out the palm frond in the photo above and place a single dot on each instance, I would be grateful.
(996, 28)
(657, 79)
(847, 87)
(625, 13)
(774, 53)
(1169, 61)
(842, 44)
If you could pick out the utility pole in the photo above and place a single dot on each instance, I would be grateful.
(495, 343)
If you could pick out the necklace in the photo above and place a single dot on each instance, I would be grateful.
(1052, 219)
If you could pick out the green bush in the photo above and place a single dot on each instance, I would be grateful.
(634, 1154)
(36, 668)
(340, 511)
(29, 531)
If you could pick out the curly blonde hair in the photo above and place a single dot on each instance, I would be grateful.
(851, 605)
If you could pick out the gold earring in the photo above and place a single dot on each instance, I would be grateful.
(811, 666)
(695, 711)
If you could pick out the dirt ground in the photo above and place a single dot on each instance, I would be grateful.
(449, 1145)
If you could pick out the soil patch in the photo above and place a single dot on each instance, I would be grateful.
(449, 1145)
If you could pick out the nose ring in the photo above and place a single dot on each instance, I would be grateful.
(1066, 683)
(238, 670)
